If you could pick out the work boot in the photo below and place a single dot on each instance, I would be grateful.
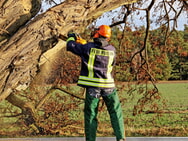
(114, 109)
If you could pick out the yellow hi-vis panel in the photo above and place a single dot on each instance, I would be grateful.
(90, 80)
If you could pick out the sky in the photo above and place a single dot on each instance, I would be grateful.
(136, 20)
(106, 19)
(182, 20)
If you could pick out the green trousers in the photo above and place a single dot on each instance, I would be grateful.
(114, 110)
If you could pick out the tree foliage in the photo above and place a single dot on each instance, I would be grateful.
(168, 62)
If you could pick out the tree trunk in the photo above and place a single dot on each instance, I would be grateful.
(14, 14)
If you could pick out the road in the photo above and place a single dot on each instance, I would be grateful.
(98, 139)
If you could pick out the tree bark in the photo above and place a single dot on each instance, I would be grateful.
(20, 54)
(14, 14)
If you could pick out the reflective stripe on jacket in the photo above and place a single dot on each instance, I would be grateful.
(97, 64)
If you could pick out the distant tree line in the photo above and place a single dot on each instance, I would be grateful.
(167, 56)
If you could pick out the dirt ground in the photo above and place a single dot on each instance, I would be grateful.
(174, 81)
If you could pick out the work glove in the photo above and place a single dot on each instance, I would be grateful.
(72, 36)
(80, 40)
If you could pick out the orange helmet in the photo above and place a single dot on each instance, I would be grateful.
(103, 30)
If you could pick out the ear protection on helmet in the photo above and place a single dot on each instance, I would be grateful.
(94, 33)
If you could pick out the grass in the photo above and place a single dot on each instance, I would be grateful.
(175, 98)
(175, 94)
(162, 124)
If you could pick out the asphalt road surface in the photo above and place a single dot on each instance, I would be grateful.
(98, 139)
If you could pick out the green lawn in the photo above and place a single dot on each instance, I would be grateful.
(175, 97)
(172, 123)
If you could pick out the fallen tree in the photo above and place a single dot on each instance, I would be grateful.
(26, 39)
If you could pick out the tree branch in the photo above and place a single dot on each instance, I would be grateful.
(128, 12)
(50, 92)
(166, 112)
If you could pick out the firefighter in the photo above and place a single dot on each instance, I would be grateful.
(98, 59)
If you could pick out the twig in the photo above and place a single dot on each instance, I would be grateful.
(50, 92)
(166, 112)
(68, 92)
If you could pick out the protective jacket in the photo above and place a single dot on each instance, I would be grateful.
(98, 58)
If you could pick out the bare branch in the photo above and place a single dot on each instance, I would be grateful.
(50, 92)
(185, 4)
(68, 92)
(129, 10)
(167, 112)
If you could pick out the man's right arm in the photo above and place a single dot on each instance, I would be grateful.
(75, 48)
